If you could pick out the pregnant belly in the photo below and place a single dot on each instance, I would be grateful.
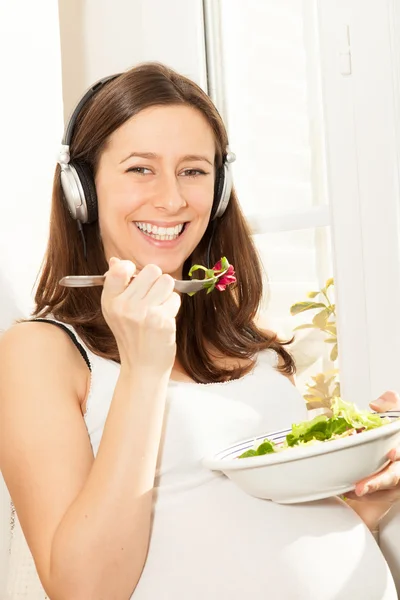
(214, 542)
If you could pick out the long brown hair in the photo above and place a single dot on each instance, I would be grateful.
(222, 321)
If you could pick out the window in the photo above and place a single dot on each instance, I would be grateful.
(271, 101)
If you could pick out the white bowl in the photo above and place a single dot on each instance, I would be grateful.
(306, 473)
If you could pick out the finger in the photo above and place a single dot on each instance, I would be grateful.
(141, 285)
(172, 304)
(394, 454)
(383, 496)
(389, 400)
(160, 291)
(118, 276)
(384, 480)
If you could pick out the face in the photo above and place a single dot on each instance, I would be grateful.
(155, 186)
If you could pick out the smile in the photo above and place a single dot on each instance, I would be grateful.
(160, 233)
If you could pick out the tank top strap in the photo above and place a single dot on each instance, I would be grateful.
(69, 330)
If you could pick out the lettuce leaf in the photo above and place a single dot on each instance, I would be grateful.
(355, 417)
(345, 417)
(266, 447)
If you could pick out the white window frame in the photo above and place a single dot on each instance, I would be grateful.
(362, 118)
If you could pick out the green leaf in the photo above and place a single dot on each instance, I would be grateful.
(334, 353)
(321, 318)
(303, 306)
(312, 294)
(356, 417)
(224, 263)
(338, 425)
(248, 453)
(317, 426)
(195, 268)
(305, 326)
(329, 283)
(266, 447)
(331, 341)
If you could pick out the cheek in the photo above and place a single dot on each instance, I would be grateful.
(201, 200)
(118, 199)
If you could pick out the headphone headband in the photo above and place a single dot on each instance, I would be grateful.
(85, 98)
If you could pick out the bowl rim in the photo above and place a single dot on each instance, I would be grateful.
(214, 462)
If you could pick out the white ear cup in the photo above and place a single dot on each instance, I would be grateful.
(225, 193)
(225, 185)
(73, 193)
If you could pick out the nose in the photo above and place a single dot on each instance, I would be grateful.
(169, 196)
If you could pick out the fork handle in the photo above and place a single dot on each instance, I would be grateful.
(82, 280)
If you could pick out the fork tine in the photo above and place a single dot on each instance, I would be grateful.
(189, 286)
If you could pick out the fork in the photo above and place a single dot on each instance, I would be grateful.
(187, 286)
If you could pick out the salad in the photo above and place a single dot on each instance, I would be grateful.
(222, 274)
(346, 420)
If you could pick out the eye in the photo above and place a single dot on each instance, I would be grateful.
(193, 172)
(138, 170)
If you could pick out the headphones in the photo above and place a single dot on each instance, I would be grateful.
(77, 180)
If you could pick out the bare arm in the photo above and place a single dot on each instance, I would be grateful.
(86, 520)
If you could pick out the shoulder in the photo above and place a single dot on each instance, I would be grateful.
(28, 338)
(42, 351)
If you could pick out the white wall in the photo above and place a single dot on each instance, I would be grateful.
(100, 37)
(30, 125)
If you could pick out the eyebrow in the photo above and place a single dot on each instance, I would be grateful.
(187, 157)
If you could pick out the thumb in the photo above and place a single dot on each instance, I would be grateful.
(388, 401)
(118, 276)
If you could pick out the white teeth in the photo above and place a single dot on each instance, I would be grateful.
(160, 233)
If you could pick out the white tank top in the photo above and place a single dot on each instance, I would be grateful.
(210, 540)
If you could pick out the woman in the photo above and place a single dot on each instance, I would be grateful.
(102, 439)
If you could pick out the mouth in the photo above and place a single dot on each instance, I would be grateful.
(161, 234)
